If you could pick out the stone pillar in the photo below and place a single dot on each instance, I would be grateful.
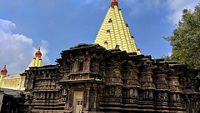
(133, 83)
(117, 84)
(114, 86)
(147, 87)
(86, 63)
(69, 103)
(75, 66)
(87, 99)
(175, 93)
(95, 98)
(162, 92)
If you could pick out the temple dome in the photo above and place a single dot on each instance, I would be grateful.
(114, 2)
(38, 53)
(4, 71)
(37, 60)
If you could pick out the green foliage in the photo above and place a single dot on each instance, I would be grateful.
(186, 39)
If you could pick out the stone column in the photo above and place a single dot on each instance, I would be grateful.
(87, 99)
(95, 98)
(69, 103)
(75, 66)
(148, 87)
(86, 63)
(133, 83)
(175, 92)
(162, 97)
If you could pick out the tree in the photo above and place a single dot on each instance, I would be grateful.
(185, 40)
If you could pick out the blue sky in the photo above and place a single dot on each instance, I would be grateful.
(56, 25)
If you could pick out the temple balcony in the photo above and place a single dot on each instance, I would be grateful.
(45, 90)
(91, 80)
(77, 77)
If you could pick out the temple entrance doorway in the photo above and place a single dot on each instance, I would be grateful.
(78, 102)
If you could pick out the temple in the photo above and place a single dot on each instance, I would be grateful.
(110, 76)
(115, 31)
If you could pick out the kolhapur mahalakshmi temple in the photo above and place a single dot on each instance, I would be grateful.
(110, 76)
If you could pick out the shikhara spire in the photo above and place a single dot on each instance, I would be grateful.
(37, 60)
(114, 31)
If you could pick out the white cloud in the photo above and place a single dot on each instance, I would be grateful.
(177, 6)
(138, 6)
(6, 26)
(17, 49)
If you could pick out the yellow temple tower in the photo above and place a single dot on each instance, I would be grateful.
(37, 60)
(115, 32)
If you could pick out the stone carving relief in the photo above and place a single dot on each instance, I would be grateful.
(114, 75)
(176, 98)
(110, 90)
(118, 92)
(162, 82)
(87, 60)
(174, 83)
(148, 95)
(133, 93)
(94, 66)
(163, 96)
(117, 75)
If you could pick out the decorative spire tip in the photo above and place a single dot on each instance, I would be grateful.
(4, 71)
(114, 2)
(38, 53)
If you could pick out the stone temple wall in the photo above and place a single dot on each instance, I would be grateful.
(89, 78)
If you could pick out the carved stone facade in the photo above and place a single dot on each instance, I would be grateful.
(91, 79)
(42, 90)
